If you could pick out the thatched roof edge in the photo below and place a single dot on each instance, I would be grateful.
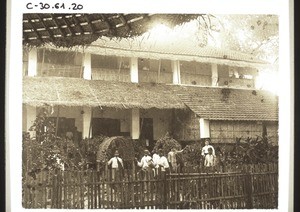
(80, 92)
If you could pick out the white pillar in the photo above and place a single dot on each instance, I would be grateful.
(214, 74)
(176, 72)
(135, 123)
(30, 118)
(204, 128)
(87, 115)
(32, 62)
(87, 64)
(134, 70)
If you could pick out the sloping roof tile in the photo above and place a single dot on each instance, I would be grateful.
(229, 104)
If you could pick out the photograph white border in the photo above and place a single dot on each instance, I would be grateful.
(13, 118)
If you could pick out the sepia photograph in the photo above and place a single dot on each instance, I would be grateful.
(150, 111)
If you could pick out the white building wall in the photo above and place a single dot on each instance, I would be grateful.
(214, 75)
(204, 128)
(87, 71)
(135, 123)
(29, 116)
(134, 70)
(32, 62)
(86, 121)
(176, 72)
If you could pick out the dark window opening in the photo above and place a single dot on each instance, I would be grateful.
(106, 126)
(63, 125)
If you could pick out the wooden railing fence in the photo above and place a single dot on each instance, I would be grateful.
(255, 187)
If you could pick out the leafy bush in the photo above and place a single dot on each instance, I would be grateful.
(192, 154)
(166, 143)
(107, 148)
(89, 148)
(46, 151)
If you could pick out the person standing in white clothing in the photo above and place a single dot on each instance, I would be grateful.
(163, 162)
(144, 163)
(204, 151)
(210, 161)
(116, 164)
(155, 158)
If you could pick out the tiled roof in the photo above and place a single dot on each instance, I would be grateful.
(229, 104)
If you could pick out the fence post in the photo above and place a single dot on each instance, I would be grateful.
(165, 188)
(249, 191)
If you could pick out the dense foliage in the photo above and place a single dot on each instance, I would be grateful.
(250, 151)
(124, 146)
(46, 151)
(166, 143)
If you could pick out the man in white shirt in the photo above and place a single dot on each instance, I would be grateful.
(206, 147)
(155, 158)
(116, 164)
(210, 161)
(163, 162)
(144, 163)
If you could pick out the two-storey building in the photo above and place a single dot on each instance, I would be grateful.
(139, 89)
(144, 91)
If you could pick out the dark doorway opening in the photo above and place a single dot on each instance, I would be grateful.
(105, 126)
(64, 125)
(147, 132)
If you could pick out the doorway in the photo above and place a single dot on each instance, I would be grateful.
(105, 126)
(147, 132)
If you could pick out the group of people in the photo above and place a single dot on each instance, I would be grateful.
(158, 160)
(167, 164)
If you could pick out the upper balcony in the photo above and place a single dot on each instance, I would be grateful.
(45, 62)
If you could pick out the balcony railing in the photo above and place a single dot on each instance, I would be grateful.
(56, 70)
(236, 82)
(122, 75)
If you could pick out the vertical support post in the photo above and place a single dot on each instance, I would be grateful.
(87, 112)
(166, 190)
(87, 64)
(57, 121)
(134, 70)
(31, 116)
(158, 72)
(249, 190)
(32, 62)
(176, 72)
(214, 75)
(204, 128)
(135, 123)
